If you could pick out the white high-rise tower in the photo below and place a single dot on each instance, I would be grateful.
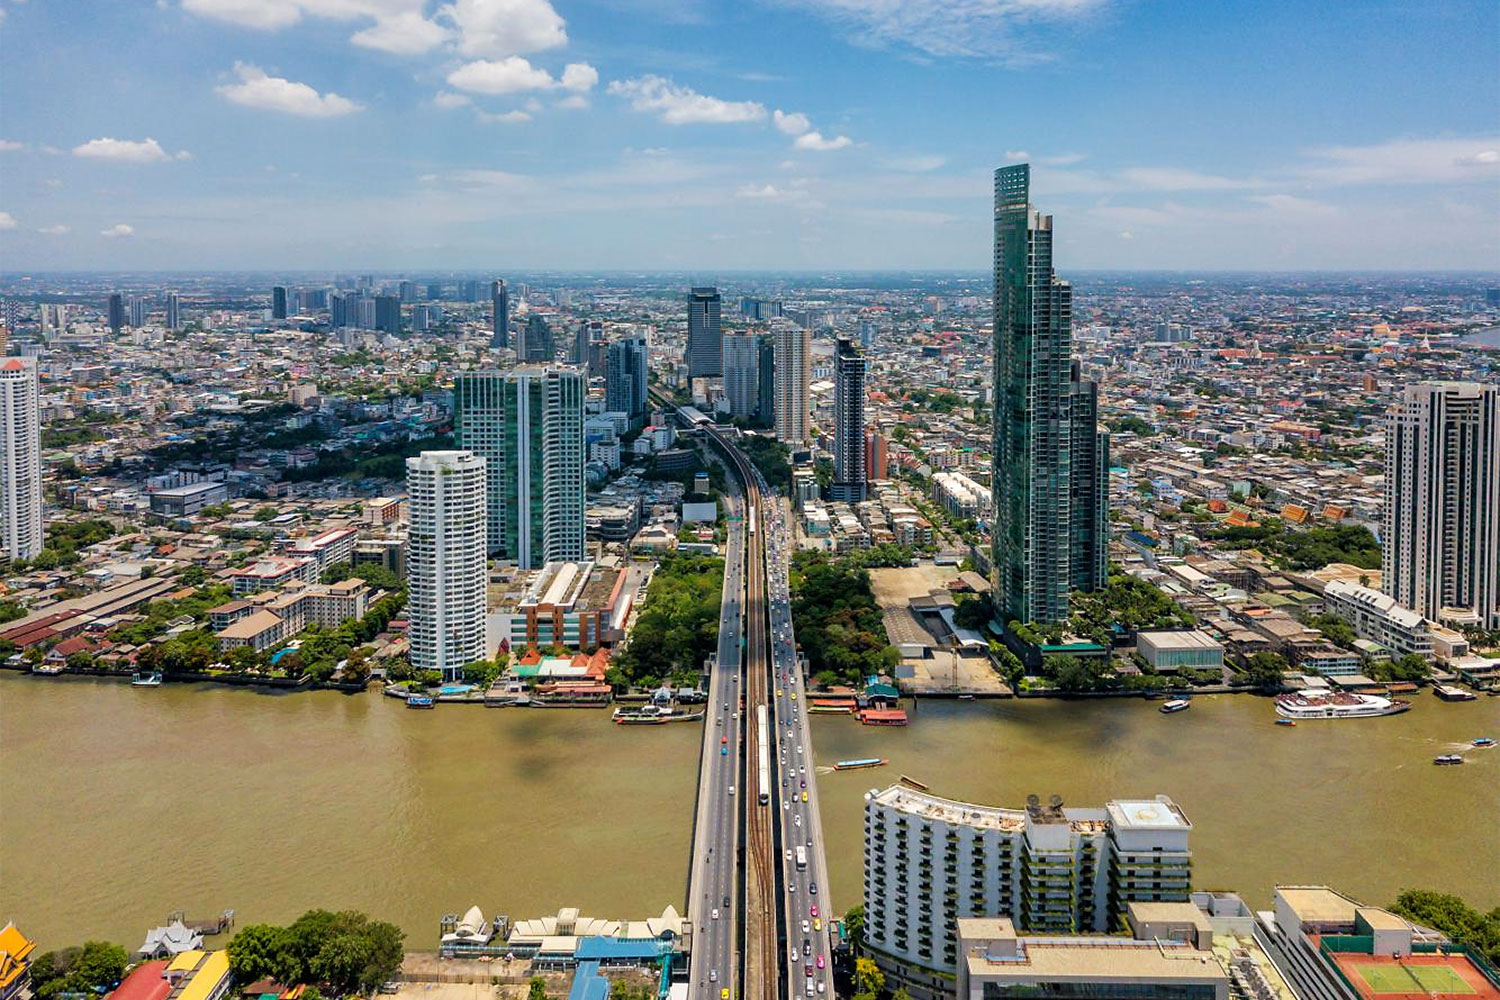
(1441, 536)
(446, 560)
(20, 460)
(793, 357)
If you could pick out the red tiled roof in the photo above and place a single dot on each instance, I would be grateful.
(145, 983)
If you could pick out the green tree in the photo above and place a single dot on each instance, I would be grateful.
(1455, 918)
(1264, 670)
(100, 967)
(193, 576)
(49, 972)
(854, 923)
(537, 990)
(265, 512)
(255, 951)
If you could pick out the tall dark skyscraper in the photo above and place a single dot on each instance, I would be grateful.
(849, 370)
(388, 313)
(1035, 531)
(1089, 498)
(765, 408)
(278, 302)
(174, 311)
(705, 350)
(588, 332)
(625, 378)
(499, 315)
(536, 343)
(116, 312)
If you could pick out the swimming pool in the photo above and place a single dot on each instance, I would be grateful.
(455, 689)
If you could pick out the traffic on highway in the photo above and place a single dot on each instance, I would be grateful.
(715, 876)
(805, 902)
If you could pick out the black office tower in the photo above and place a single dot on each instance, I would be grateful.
(499, 315)
(116, 312)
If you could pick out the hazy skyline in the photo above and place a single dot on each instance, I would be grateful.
(767, 134)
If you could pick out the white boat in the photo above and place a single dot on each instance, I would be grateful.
(1175, 705)
(150, 680)
(1336, 705)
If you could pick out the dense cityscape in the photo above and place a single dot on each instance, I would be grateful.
(1113, 614)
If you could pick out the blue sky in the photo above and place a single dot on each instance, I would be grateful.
(707, 134)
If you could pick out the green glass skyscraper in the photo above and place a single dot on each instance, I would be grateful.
(1046, 456)
(527, 423)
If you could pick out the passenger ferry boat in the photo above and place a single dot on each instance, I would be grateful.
(850, 765)
(1482, 742)
(419, 701)
(883, 717)
(1336, 705)
(1175, 705)
(1449, 692)
(1448, 758)
(652, 715)
(150, 680)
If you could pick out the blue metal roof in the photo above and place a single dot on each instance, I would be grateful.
(601, 948)
(588, 984)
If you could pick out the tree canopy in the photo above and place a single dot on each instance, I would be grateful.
(677, 627)
(347, 951)
(1455, 918)
(838, 623)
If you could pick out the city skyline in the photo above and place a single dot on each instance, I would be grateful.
(629, 132)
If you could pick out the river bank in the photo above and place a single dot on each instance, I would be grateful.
(121, 804)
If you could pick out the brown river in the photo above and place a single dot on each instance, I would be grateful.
(119, 805)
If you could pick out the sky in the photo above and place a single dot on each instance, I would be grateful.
(709, 135)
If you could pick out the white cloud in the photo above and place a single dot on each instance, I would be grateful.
(678, 105)
(818, 143)
(118, 231)
(1407, 161)
(790, 122)
(504, 117)
(1017, 155)
(447, 100)
(514, 74)
(264, 14)
(974, 28)
(502, 76)
(498, 28)
(147, 150)
(769, 192)
(7, 221)
(11, 146)
(274, 93)
(57, 230)
(579, 77)
(405, 34)
(576, 102)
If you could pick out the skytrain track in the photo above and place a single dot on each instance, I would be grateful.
(761, 970)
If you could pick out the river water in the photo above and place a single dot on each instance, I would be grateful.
(118, 805)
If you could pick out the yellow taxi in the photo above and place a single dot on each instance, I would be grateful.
(794, 696)
(804, 796)
(817, 923)
(724, 993)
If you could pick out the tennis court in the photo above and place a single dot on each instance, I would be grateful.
(1416, 977)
